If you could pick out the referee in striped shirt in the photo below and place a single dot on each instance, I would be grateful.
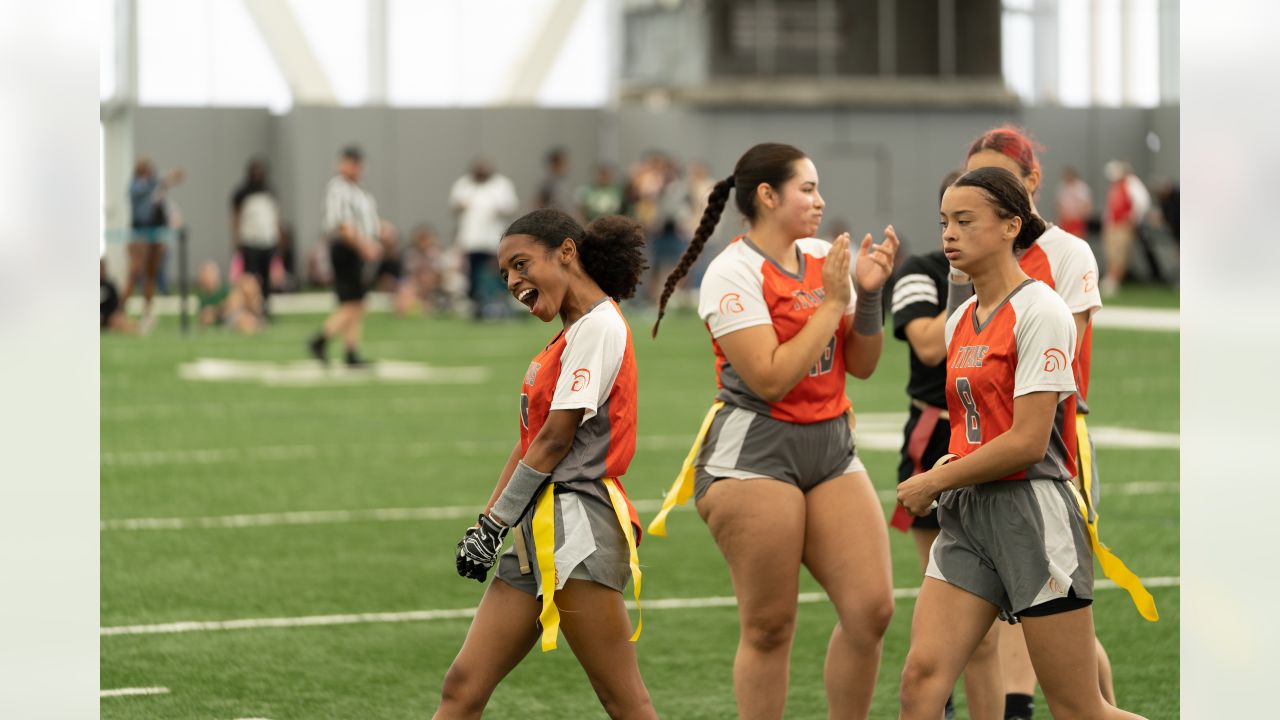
(351, 224)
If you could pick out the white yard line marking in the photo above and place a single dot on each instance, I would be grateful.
(878, 431)
(1138, 318)
(307, 373)
(467, 613)
(456, 512)
(125, 692)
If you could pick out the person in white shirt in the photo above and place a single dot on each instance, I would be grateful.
(484, 201)
(255, 225)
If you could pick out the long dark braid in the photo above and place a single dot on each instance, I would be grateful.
(710, 217)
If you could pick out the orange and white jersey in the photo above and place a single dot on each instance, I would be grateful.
(1066, 264)
(1023, 346)
(743, 288)
(590, 365)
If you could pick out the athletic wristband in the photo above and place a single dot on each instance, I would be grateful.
(868, 315)
(518, 493)
(957, 293)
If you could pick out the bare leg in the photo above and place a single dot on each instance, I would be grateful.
(355, 324)
(983, 684)
(155, 256)
(337, 320)
(594, 620)
(1015, 663)
(1105, 683)
(948, 625)
(137, 264)
(846, 547)
(759, 526)
(1064, 652)
(502, 632)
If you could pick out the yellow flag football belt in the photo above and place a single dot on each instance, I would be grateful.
(544, 540)
(682, 489)
(1112, 566)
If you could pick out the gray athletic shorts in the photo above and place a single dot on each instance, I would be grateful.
(589, 545)
(1015, 544)
(744, 444)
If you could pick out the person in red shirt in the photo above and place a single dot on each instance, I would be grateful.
(774, 469)
(575, 531)
(1013, 543)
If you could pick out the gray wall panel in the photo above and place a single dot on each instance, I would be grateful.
(876, 166)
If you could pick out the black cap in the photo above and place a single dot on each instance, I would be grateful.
(353, 152)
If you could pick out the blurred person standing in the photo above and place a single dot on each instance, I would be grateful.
(554, 191)
(602, 197)
(150, 222)
(352, 225)
(1074, 203)
(1127, 205)
(255, 226)
(483, 201)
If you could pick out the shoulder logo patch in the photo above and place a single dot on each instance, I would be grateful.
(1054, 360)
(581, 379)
(731, 304)
(1090, 282)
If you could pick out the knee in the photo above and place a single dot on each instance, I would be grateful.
(769, 631)
(868, 622)
(616, 707)
(918, 674)
(461, 692)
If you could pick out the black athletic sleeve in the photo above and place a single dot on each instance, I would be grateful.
(916, 294)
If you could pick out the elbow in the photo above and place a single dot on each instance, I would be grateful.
(773, 395)
(932, 357)
(1032, 450)
(862, 373)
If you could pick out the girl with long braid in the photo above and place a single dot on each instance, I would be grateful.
(774, 469)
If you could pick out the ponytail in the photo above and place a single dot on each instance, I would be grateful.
(710, 217)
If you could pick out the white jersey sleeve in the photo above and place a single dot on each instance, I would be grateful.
(593, 352)
(732, 294)
(949, 327)
(1045, 334)
(1075, 271)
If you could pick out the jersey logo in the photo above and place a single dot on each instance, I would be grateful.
(532, 373)
(804, 299)
(1090, 281)
(581, 379)
(970, 356)
(731, 304)
(1054, 360)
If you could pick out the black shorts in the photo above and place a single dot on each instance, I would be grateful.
(936, 447)
(348, 272)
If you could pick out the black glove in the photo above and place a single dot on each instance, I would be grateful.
(478, 548)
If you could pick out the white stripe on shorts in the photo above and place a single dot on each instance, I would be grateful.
(1059, 543)
(731, 438)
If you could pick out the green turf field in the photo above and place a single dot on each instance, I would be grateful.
(179, 448)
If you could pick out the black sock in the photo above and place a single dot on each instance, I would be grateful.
(1017, 705)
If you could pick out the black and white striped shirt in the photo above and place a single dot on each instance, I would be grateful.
(345, 201)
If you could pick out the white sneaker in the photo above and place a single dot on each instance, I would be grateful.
(147, 324)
